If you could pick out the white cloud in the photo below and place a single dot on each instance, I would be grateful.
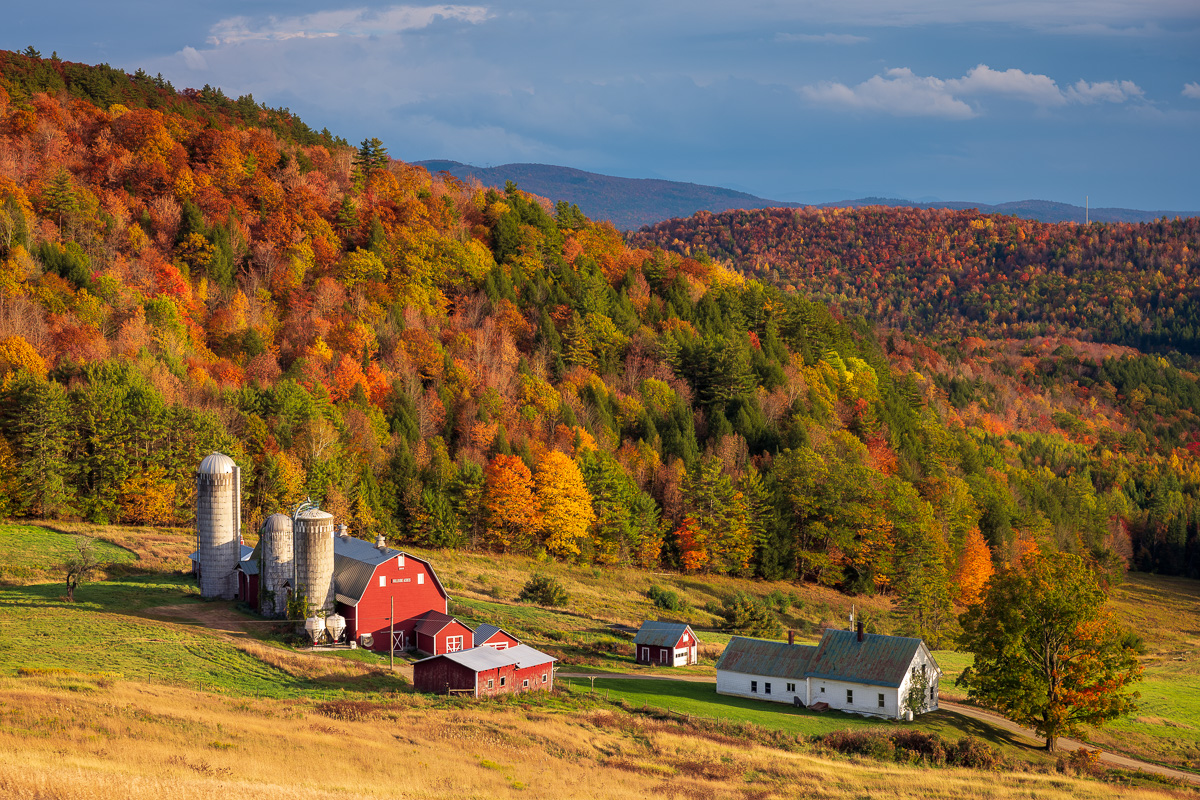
(821, 38)
(900, 92)
(193, 58)
(1105, 92)
(1037, 89)
(1192, 90)
(354, 22)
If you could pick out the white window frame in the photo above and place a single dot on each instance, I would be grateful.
(383, 581)
(791, 687)
(645, 654)
(767, 687)
(503, 680)
(491, 683)
(849, 697)
(420, 578)
(454, 644)
(525, 683)
(881, 699)
(753, 687)
(545, 676)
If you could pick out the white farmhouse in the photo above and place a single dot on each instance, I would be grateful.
(850, 671)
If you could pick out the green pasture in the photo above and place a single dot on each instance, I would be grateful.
(700, 699)
(31, 551)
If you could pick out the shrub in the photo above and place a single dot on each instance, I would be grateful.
(975, 753)
(869, 742)
(750, 615)
(665, 599)
(544, 590)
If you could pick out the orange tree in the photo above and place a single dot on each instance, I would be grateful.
(1046, 653)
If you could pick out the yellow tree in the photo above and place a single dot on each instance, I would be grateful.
(974, 568)
(513, 518)
(565, 503)
(17, 354)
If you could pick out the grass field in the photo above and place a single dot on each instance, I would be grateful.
(85, 737)
(29, 552)
(117, 627)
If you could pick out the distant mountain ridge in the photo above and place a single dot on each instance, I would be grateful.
(632, 203)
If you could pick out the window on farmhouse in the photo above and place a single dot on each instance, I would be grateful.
(791, 687)
(754, 686)
(881, 699)
(766, 688)
(849, 697)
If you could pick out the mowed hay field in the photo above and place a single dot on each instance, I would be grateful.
(80, 737)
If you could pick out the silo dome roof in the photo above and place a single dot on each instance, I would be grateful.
(278, 523)
(314, 513)
(216, 464)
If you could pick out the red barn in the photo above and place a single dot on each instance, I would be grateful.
(367, 578)
(485, 671)
(667, 644)
(438, 633)
(491, 636)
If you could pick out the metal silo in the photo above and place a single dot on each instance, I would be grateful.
(218, 525)
(314, 559)
(277, 570)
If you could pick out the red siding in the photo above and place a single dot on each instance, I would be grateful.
(687, 640)
(415, 592)
(437, 674)
(248, 589)
(500, 640)
(436, 645)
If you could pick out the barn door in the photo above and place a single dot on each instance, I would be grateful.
(399, 641)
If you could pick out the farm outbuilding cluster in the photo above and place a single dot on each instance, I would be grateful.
(852, 671)
(350, 589)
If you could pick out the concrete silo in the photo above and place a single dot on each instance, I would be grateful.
(218, 525)
(278, 567)
(314, 559)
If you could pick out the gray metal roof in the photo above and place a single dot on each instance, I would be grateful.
(483, 658)
(760, 657)
(661, 634)
(877, 660)
(486, 631)
(249, 566)
(216, 464)
(354, 563)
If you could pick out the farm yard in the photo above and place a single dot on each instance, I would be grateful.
(141, 637)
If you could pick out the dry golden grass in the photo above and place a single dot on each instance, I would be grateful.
(157, 549)
(309, 666)
(81, 737)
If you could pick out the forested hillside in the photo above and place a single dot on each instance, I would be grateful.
(464, 367)
(960, 273)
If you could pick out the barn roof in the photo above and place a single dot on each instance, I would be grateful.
(661, 634)
(487, 631)
(760, 657)
(484, 658)
(354, 563)
(249, 566)
(877, 660)
(431, 622)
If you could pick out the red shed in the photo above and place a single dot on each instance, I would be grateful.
(485, 671)
(438, 633)
(667, 644)
(491, 636)
(367, 578)
(247, 582)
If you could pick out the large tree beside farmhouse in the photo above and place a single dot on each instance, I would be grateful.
(1046, 653)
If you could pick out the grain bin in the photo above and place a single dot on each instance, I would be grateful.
(314, 559)
(277, 569)
(218, 525)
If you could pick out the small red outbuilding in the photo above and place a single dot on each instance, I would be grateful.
(485, 671)
(666, 644)
(490, 636)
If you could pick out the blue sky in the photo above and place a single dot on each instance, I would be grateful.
(790, 100)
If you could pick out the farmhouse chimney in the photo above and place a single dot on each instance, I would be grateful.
(791, 637)
(859, 628)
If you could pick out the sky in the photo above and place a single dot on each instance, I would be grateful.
(794, 100)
